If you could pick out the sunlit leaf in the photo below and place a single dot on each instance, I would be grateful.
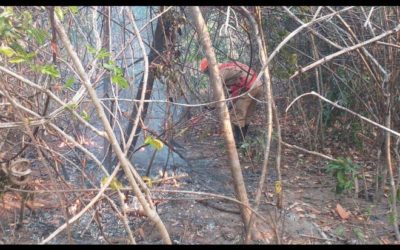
(39, 35)
(8, 12)
(110, 66)
(103, 54)
(7, 51)
(59, 12)
(114, 185)
(91, 49)
(17, 60)
(50, 70)
(120, 81)
(73, 9)
(26, 18)
(155, 143)
(70, 81)
(71, 106)
(278, 187)
(148, 181)
(85, 116)
(293, 59)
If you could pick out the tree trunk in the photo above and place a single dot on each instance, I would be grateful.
(269, 101)
(107, 84)
(393, 201)
(126, 165)
(157, 49)
(240, 189)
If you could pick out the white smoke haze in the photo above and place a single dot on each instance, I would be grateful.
(154, 120)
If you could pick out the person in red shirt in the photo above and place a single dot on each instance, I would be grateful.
(238, 78)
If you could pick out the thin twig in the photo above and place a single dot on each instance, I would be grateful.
(345, 109)
(307, 151)
(125, 163)
(294, 33)
(346, 50)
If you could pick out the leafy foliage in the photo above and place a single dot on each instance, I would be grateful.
(7, 51)
(16, 32)
(71, 106)
(148, 181)
(116, 75)
(50, 70)
(59, 12)
(39, 35)
(69, 82)
(114, 185)
(85, 116)
(155, 143)
(345, 172)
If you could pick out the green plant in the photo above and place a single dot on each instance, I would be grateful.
(340, 231)
(244, 147)
(368, 212)
(391, 218)
(345, 171)
(254, 145)
(329, 113)
(18, 34)
(359, 234)
(355, 129)
(398, 195)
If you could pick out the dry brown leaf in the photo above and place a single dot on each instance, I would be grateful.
(313, 210)
(35, 204)
(342, 212)
(299, 209)
(263, 236)
(385, 240)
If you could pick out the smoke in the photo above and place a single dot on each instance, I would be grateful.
(156, 115)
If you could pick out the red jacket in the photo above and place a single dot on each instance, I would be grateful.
(237, 76)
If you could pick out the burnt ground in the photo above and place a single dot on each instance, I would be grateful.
(309, 215)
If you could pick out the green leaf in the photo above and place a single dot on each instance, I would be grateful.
(8, 12)
(398, 195)
(148, 181)
(73, 9)
(29, 56)
(7, 51)
(70, 81)
(155, 143)
(39, 35)
(91, 49)
(59, 12)
(391, 218)
(50, 69)
(118, 71)
(341, 177)
(103, 54)
(17, 60)
(340, 230)
(71, 106)
(85, 116)
(359, 234)
(120, 81)
(114, 185)
(293, 59)
(110, 66)
(26, 19)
